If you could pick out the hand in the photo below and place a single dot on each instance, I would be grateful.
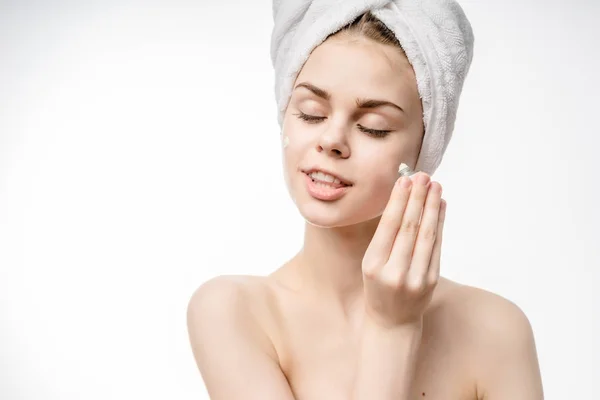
(401, 266)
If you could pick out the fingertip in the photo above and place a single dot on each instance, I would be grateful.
(404, 182)
(436, 187)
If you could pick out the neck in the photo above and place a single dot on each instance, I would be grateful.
(330, 262)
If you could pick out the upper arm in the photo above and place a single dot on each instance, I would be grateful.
(233, 355)
(509, 363)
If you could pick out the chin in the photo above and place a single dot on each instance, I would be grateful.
(334, 214)
(324, 215)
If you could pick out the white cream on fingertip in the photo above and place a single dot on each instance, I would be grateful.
(404, 170)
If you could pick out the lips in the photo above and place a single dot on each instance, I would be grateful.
(323, 176)
(325, 191)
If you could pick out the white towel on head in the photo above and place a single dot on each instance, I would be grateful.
(435, 35)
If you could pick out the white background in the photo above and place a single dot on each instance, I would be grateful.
(139, 157)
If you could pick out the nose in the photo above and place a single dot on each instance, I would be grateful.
(334, 143)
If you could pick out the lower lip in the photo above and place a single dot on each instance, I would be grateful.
(324, 191)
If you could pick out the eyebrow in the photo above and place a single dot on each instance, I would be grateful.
(360, 103)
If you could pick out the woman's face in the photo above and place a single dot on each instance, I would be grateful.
(355, 112)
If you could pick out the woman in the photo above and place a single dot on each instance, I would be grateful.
(361, 312)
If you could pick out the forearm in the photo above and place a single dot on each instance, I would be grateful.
(386, 362)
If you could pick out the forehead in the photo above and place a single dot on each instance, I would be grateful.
(360, 67)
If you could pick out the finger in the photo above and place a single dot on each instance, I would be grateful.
(381, 244)
(433, 274)
(402, 247)
(426, 236)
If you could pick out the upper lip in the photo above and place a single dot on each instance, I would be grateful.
(325, 171)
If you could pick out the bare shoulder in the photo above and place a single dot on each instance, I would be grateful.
(497, 338)
(246, 302)
(226, 286)
(489, 316)
(231, 346)
(232, 297)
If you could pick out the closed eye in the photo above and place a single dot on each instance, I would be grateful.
(312, 119)
(309, 118)
(373, 132)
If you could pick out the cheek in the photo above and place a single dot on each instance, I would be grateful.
(374, 195)
(381, 187)
(296, 140)
(291, 161)
(285, 140)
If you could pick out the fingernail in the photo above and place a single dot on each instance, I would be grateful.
(405, 182)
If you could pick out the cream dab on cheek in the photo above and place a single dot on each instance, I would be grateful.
(285, 141)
